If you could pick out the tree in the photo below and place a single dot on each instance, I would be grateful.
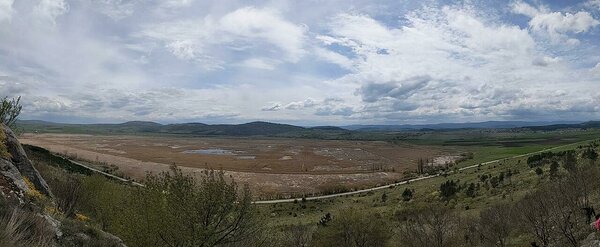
(534, 215)
(565, 213)
(471, 191)
(448, 189)
(434, 226)
(570, 161)
(175, 209)
(298, 236)
(10, 110)
(407, 195)
(495, 225)
(590, 154)
(354, 228)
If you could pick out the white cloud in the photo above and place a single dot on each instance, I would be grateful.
(116, 9)
(593, 4)
(260, 63)
(272, 107)
(244, 29)
(596, 69)
(267, 25)
(49, 10)
(359, 62)
(523, 8)
(447, 62)
(176, 3)
(333, 57)
(298, 105)
(556, 24)
(6, 10)
(545, 61)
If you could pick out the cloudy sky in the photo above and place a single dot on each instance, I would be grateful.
(305, 62)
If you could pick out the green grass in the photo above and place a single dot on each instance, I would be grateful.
(426, 191)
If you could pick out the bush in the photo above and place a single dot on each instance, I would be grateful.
(354, 228)
(539, 171)
(175, 209)
(448, 189)
(407, 195)
(68, 192)
(22, 228)
(10, 110)
(433, 226)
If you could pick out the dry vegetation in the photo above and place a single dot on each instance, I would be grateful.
(273, 167)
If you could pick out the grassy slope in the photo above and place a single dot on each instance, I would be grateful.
(426, 192)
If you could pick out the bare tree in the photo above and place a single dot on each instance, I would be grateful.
(495, 225)
(354, 228)
(298, 236)
(570, 197)
(534, 215)
(432, 226)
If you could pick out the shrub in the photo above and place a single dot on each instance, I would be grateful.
(539, 171)
(10, 110)
(448, 189)
(495, 225)
(22, 228)
(434, 226)
(354, 228)
(175, 209)
(67, 192)
(407, 195)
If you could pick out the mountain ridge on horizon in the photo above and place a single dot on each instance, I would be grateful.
(270, 128)
(517, 123)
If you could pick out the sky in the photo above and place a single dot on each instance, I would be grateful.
(310, 62)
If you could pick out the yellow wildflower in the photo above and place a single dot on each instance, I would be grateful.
(81, 217)
(33, 192)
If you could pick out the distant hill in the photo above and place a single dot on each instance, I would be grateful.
(584, 125)
(285, 130)
(331, 128)
(247, 129)
(441, 126)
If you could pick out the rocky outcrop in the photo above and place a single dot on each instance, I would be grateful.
(20, 161)
(19, 182)
(591, 241)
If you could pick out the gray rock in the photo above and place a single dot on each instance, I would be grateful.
(8, 170)
(591, 241)
(22, 163)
